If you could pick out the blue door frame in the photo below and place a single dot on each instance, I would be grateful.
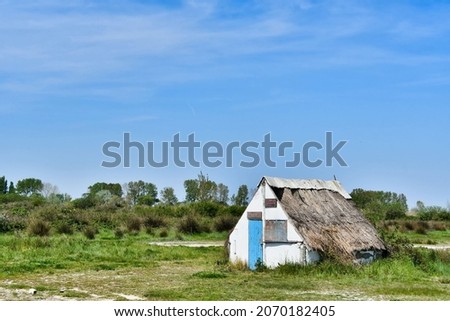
(255, 246)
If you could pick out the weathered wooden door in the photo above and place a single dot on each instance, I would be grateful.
(255, 246)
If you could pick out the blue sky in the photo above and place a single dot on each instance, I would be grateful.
(76, 74)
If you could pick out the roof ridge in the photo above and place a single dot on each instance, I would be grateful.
(306, 184)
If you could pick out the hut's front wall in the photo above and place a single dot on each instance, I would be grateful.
(289, 248)
(282, 253)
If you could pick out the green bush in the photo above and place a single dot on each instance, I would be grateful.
(235, 210)
(154, 221)
(22, 211)
(421, 230)
(64, 227)
(90, 232)
(409, 225)
(48, 213)
(395, 211)
(182, 210)
(83, 203)
(439, 226)
(11, 198)
(38, 227)
(397, 245)
(225, 223)
(163, 233)
(9, 223)
(134, 224)
(5, 224)
(37, 200)
(422, 225)
(103, 219)
(435, 213)
(119, 232)
(207, 208)
(161, 210)
(191, 224)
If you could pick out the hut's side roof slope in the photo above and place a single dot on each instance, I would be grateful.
(324, 215)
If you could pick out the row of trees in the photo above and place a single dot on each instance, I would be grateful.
(201, 189)
(25, 187)
(31, 187)
(380, 205)
(376, 205)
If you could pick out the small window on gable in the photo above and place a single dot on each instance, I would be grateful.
(270, 203)
(275, 231)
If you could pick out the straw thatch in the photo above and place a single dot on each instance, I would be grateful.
(329, 222)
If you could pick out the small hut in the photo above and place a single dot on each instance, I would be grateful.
(301, 221)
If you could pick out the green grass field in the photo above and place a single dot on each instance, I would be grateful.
(108, 268)
(431, 237)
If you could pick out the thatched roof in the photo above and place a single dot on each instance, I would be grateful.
(325, 217)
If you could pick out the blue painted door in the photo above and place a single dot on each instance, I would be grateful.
(255, 249)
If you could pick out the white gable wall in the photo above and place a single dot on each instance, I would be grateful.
(274, 254)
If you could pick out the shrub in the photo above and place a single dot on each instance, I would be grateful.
(10, 223)
(182, 210)
(397, 245)
(134, 224)
(22, 211)
(205, 227)
(37, 200)
(154, 221)
(191, 224)
(421, 225)
(395, 211)
(11, 198)
(102, 219)
(409, 226)
(421, 230)
(5, 224)
(225, 223)
(235, 210)
(163, 210)
(439, 226)
(83, 203)
(48, 213)
(119, 232)
(38, 227)
(90, 232)
(207, 208)
(149, 230)
(163, 233)
(64, 228)
(434, 213)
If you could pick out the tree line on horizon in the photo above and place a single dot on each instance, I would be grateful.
(201, 189)
(376, 205)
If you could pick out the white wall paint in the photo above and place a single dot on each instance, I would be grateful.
(274, 254)
(239, 236)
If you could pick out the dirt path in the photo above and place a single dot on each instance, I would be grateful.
(440, 247)
(189, 243)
